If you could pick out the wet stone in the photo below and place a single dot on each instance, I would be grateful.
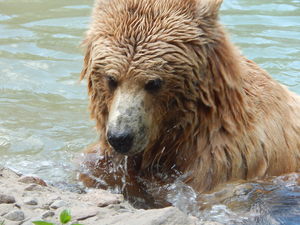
(15, 215)
(7, 199)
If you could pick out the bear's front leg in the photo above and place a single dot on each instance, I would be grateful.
(116, 173)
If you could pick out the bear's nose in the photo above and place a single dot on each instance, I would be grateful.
(121, 141)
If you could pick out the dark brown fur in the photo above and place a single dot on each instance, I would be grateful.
(219, 117)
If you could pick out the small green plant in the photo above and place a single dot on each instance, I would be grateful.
(64, 217)
(2, 222)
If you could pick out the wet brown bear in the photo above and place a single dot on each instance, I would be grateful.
(172, 95)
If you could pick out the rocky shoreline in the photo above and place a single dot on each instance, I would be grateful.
(24, 199)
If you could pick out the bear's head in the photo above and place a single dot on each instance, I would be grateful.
(152, 70)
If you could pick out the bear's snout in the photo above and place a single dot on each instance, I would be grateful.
(121, 141)
(127, 127)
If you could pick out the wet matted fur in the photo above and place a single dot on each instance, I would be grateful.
(216, 115)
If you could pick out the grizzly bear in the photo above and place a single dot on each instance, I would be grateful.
(172, 96)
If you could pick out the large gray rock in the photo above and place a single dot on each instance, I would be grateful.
(15, 215)
(165, 216)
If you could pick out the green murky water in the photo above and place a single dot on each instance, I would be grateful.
(44, 121)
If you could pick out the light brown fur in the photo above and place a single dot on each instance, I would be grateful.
(219, 117)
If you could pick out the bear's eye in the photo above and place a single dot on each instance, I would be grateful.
(112, 82)
(153, 85)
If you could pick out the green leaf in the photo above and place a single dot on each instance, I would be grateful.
(42, 223)
(65, 216)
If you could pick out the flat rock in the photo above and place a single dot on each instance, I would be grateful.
(165, 216)
(15, 215)
(83, 214)
(7, 199)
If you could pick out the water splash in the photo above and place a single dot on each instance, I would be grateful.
(272, 201)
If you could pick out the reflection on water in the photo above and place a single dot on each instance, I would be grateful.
(44, 121)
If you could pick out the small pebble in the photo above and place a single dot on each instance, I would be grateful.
(45, 206)
(17, 205)
(58, 204)
(7, 199)
(32, 180)
(30, 201)
(48, 214)
(15, 215)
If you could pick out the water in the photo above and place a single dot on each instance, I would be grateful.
(44, 121)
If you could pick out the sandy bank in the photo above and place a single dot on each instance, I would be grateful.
(24, 199)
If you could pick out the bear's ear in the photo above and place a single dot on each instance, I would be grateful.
(208, 9)
(87, 62)
(87, 59)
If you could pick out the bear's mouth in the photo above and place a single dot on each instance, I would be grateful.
(127, 142)
(120, 141)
